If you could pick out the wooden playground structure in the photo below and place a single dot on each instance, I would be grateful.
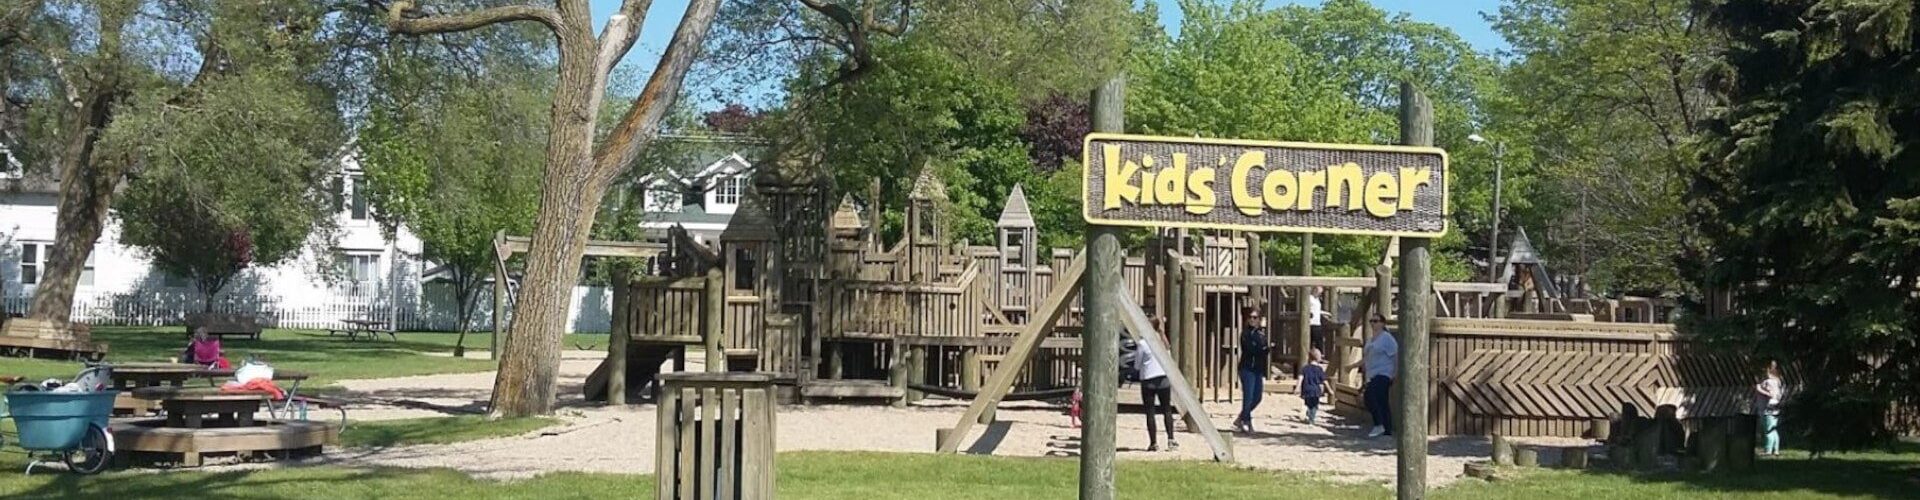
(811, 295)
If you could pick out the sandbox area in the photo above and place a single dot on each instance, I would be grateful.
(621, 440)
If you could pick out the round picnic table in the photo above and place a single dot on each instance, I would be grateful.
(127, 376)
(187, 407)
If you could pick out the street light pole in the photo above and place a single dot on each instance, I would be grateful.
(1493, 245)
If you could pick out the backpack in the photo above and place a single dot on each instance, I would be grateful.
(1129, 368)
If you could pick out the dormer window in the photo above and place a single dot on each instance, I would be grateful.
(727, 189)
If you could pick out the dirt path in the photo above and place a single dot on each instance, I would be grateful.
(621, 440)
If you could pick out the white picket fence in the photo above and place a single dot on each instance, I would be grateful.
(432, 309)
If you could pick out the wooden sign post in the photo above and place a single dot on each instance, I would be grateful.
(1398, 191)
(1100, 341)
(1416, 306)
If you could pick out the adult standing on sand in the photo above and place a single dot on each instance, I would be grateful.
(1381, 359)
(1156, 393)
(1254, 345)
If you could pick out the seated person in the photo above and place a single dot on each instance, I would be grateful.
(205, 350)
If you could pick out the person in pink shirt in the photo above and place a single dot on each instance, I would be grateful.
(205, 350)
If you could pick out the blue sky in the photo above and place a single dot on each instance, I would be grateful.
(1462, 16)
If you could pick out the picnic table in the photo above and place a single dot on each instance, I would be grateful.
(129, 376)
(370, 328)
(187, 407)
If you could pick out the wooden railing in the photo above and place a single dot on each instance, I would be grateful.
(666, 309)
(888, 309)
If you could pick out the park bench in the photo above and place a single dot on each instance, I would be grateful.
(223, 325)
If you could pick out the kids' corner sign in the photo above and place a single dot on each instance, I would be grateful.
(1133, 180)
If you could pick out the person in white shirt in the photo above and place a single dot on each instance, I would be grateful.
(1767, 397)
(1380, 361)
(1316, 313)
(1156, 393)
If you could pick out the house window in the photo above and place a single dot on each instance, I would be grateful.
(358, 209)
(86, 272)
(362, 273)
(32, 259)
(744, 270)
(727, 190)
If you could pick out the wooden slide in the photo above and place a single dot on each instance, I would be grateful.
(643, 364)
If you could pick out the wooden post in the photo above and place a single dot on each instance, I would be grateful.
(1526, 457)
(617, 341)
(897, 374)
(1416, 288)
(1101, 339)
(916, 372)
(970, 369)
(1574, 458)
(1177, 310)
(1502, 450)
(1305, 342)
(713, 320)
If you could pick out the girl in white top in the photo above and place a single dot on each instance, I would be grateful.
(1767, 396)
(1156, 395)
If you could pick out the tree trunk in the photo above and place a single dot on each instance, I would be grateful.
(86, 191)
(465, 283)
(570, 197)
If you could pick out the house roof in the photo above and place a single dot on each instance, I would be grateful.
(848, 215)
(752, 220)
(693, 159)
(1016, 214)
(928, 187)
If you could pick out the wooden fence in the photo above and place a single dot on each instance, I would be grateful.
(715, 436)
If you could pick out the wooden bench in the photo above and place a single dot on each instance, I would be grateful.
(25, 337)
(223, 325)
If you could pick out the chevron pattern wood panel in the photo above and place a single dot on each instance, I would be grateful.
(1589, 385)
(1539, 384)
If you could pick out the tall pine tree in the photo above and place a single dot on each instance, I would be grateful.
(1807, 203)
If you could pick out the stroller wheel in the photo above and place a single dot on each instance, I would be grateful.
(96, 450)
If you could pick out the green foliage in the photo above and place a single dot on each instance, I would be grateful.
(455, 160)
(1608, 95)
(1804, 199)
(252, 154)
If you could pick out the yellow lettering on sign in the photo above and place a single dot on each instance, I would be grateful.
(1381, 191)
(1242, 172)
(1119, 178)
(1280, 189)
(1309, 182)
(1344, 179)
(1170, 185)
(1410, 179)
(1200, 183)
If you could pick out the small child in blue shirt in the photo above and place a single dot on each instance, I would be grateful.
(1313, 384)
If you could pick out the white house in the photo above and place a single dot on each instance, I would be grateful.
(370, 276)
(703, 194)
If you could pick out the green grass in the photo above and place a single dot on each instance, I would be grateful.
(880, 476)
(436, 430)
(326, 358)
(1793, 476)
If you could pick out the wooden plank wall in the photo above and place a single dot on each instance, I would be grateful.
(1449, 416)
(664, 308)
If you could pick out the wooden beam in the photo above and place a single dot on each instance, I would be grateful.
(1058, 299)
(1141, 329)
(596, 248)
(1416, 307)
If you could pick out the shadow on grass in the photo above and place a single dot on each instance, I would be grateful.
(437, 430)
(1884, 473)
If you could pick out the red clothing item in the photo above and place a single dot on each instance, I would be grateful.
(207, 352)
(258, 384)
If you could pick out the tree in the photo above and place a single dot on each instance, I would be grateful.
(1808, 209)
(454, 168)
(75, 65)
(1607, 95)
(236, 176)
(735, 118)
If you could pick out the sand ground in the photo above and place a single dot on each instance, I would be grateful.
(594, 438)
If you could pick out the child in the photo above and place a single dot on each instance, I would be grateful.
(1769, 392)
(205, 350)
(1313, 384)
